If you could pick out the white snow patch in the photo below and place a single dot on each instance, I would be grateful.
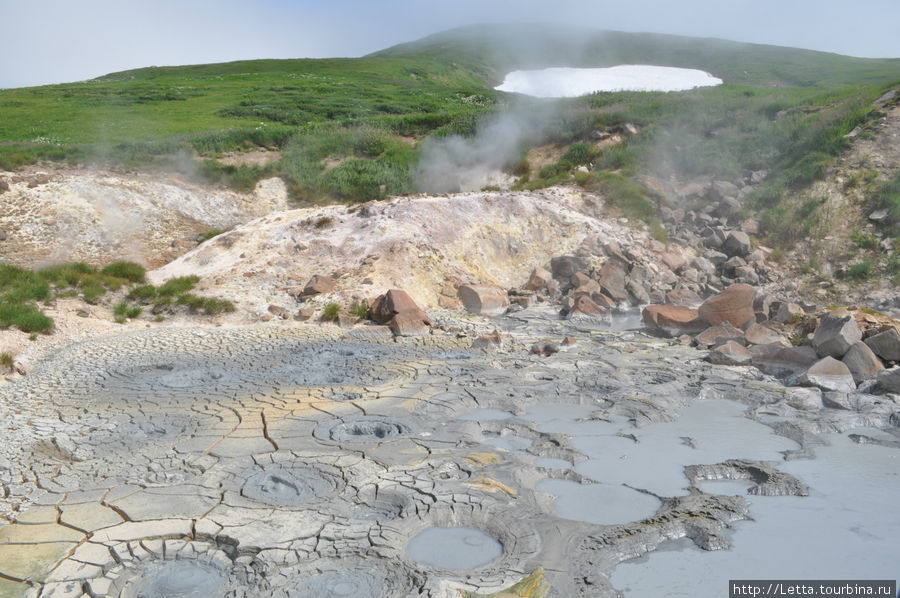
(564, 82)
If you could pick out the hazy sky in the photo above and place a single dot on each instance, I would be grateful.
(54, 41)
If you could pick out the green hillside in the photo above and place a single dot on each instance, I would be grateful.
(349, 128)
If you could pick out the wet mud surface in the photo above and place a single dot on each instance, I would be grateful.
(294, 462)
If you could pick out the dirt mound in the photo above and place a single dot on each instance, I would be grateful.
(97, 217)
(418, 244)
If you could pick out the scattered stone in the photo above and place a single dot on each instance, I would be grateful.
(637, 292)
(878, 216)
(733, 305)
(569, 341)
(789, 313)
(2, 235)
(776, 360)
(836, 333)
(805, 399)
(305, 314)
(484, 300)
(886, 344)
(583, 304)
(750, 226)
(538, 280)
(862, 362)
(488, 341)
(545, 347)
(673, 261)
(4, 186)
(347, 320)
(672, 320)
(729, 353)
(278, 311)
(829, 374)
(565, 266)
(611, 278)
(737, 243)
(319, 285)
(409, 323)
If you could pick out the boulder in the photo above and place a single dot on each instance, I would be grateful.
(672, 320)
(733, 305)
(717, 335)
(889, 380)
(583, 304)
(545, 347)
(483, 299)
(637, 292)
(862, 362)
(673, 261)
(804, 399)
(729, 353)
(737, 243)
(408, 324)
(716, 257)
(701, 264)
(319, 285)
(757, 334)
(683, 297)
(603, 300)
(886, 344)
(565, 266)
(777, 360)
(538, 280)
(836, 333)
(829, 374)
(750, 226)
(612, 281)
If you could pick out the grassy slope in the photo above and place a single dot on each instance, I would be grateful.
(782, 109)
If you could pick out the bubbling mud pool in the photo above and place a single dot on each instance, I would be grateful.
(565, 82)
(454, 548)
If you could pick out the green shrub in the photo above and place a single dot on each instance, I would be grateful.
(860, 271)
(7, 360)
(331, 311)
(177, 286)
(361, 310)
(25, 317)
(128, 270)
(578, 154)
(214, 232)
(864, 240)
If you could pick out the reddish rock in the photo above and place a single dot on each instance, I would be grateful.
(683, 297)
(484, 299)
(545, 347)
(281, 312)
(673, 320)
(538, 280)
(717, 335)
(4, 186)
(400, 312)
(488, 341)
(409, 324)
(757, 334)
(673, 261)
(612, 281)
(730, 353)
(733, 305)
(602, 300)
(319, 285)
(585, 305)
(305, 314)
(569, 341)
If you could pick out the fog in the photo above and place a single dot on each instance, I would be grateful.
(54, 41)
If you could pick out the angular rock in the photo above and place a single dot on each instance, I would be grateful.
(757, 334)
(565, 266)
(889, 380)
(750, 226)
(716, 257)
(836, 333)
(636, 292)
(862, 362)
(612, 281)
(603, 300)
(583, 304)
(484, 299)
(319, 285)
(673, 261)
(729, 353)
(776, 360)
(737, 243)
(701, 264)
(886, 344)
(545, 348)
(672, 320)
(789, 313)
(717, 335)
(538, 280)
(805, 399)
(829, 374)
(684, 297)
(733, 305)
(408, 324)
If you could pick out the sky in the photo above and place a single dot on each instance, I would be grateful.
(56, 41)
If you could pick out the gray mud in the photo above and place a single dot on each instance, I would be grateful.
(293, 462)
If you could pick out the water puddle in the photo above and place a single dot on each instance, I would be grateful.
(454, 548)
(176, 579)
(564, 82)
(601, 504)
(550, 463)
(840, 531)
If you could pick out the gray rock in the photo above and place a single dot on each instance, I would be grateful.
(789, 312)
(836, 333)
(729, 353)
(637, 292)
(737, 243)
(612, 280)
(565, 266)
(886, 344)
(701, 264)
(862, 362)
(483, 299)
(829, 374)
(878, 215)
(716, 257)
(805, 399)
(777, 360)
(889, 380)
(757, 334)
